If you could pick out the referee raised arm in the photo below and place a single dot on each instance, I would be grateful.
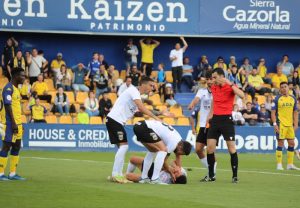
(220, 120)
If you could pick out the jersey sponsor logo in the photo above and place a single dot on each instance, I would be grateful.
(8, 97)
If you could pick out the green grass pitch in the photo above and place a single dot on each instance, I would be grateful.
(78, 179)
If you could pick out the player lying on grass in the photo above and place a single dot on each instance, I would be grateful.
(160, 139)
(164, 176)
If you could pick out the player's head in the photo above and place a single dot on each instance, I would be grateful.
(284, 88)
(217, 74)
(146, 85)
(183, 148)
(208, 77)
(182, 179)
(18, 75)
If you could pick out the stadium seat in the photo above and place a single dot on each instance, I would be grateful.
(176, 110)
(137, 119)
(149, 107)
(261, 99)
(75, 120)
(169, 120)
(123, 74)
(183, 121)
(161, 107)
(81, 96)
(70, 96)
(25, 111)
(51, 119)
(95, 120)
(24, 119)
(116, 73)
(50, 84)
(169, 77)
(267, 86)
(270, 75)
(154, 74)
(48, 106)
(155, 99)
(113, 96)
(53, 95)
(65, 120)
(77, 107)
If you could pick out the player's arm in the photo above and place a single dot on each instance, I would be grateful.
(295, 120)
(193, 103)
(144, 110)
(235, 89)
(192, 123)
(142, 41)
(9, 112)
(273, 118)
(156, 42)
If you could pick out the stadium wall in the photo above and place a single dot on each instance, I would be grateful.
(95, 138)
(79, 48)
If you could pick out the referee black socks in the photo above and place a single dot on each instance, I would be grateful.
(234, 164)
(211, 164)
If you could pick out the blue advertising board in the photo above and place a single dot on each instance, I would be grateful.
(95, 138)
(198, 18)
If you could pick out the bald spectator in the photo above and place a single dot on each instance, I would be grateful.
(36, 65)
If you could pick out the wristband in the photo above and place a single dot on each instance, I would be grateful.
(274, 124)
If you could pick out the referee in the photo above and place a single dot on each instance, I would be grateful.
(220, 120)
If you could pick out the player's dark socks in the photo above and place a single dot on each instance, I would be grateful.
(211, 164)
(234, 164)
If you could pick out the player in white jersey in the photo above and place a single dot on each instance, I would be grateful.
(205, 97)
(124, 108)
(160, 139)
(164, 176)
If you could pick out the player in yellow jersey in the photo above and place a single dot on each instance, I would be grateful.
(285, 122)
(10, 112)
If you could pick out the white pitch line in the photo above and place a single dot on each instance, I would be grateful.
(197, 168)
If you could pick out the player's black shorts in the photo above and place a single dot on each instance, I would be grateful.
(150, 172)
(145, 134)
(202, 135)
(221, 125)
(116, 131)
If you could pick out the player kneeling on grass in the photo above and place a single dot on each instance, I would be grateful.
(160, 139)
(164, 176)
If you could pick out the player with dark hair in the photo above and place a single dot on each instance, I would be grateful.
(164, 176)
(200, 114)
(220, 121)
(160, 139)
(10, 112)
(124, 109)
(285, 121)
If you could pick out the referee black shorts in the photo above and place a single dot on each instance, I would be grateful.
(145, 134)
(202, 135)
(221, 125)
(116, 131)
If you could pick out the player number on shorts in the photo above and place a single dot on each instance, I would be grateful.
(169, 127)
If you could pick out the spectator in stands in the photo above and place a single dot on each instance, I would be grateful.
(168, 91)
(287, 67)
(105, 105)
(62, 103)
(176, 57)
(125, 85)
(237, 116)
(17, 62)
(296, 82)
(130, 52)
(247, 66)
(298, 69)
(38, 112)
(234, 76)
(9, 52)
(80, 75)
(82, 116)
(232, 62)
(91, 105)
(161, 78)
(220, 64)
(250, 115)
(148, 45)
(187, 73)
(93, 66)
(44, 69)
(101, 81)
(202, 67)
(41, 88)
(56, 65)
(264, 116)
(269, 101)
(64, 78)
(102, 61)
(25, 89)
(262, 71)
(292, 89)
(240, 103)
(255, 104)
(135, 75)
(36, 65)
(171, 101)
(278, 78)
(254, 84)
(113, 76)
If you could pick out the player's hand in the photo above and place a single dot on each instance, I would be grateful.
(191, 106)
(15, 128)
(194, 131)
(276, 128)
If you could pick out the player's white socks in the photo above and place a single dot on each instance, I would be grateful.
(147, 164)
(130, 168)
(158, 164)
(215, 168)
(204, 162)
(119, 161)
